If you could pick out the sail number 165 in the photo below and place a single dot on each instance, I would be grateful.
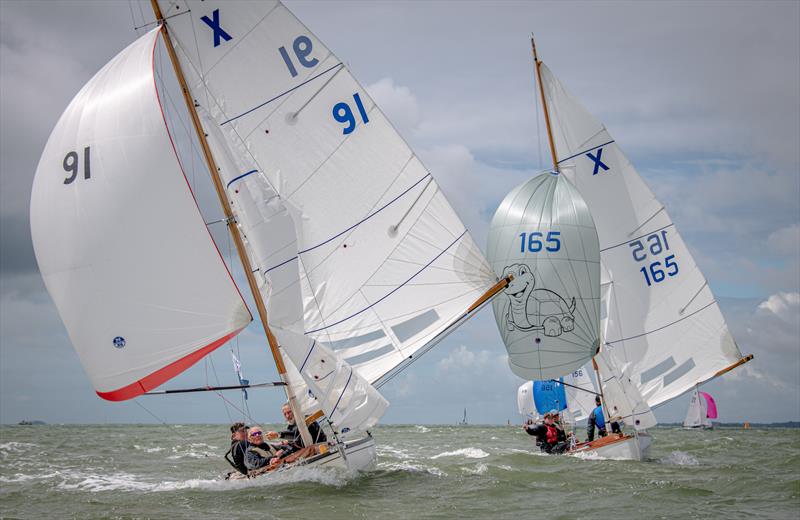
(532, 242)
(655, 244)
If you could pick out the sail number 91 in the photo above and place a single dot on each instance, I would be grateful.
(655, 244)
(532, 242)
(70, 165)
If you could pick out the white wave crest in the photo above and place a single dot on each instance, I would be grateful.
(412, 468)
(469, 453)
(680, 458)
(421, 429)
(479, 469)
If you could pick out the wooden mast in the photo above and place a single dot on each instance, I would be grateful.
(234, 229)
(544, 105)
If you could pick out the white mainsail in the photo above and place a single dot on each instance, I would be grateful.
(525, 404)
(385, 264)
(663, 325)
(696, 414)
(141, 288)
(549, 315)
(349, 402)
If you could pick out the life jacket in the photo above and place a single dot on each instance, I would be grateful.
(552, 434)
(599, 419)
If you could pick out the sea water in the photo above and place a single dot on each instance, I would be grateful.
(145, 471)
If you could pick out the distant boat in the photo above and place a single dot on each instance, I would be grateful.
(31, 423)
(702, 408)
(464, 420)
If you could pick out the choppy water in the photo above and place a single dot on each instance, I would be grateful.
(423, 472)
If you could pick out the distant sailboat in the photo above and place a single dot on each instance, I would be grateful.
(464, 420)
(702, 408)
(344, 236)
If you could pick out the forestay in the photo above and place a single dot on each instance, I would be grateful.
(317, 376)
(120, 242)
(664, 325)
(549, 315)
(386, 266)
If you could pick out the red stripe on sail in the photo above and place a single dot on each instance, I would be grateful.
(160, 376)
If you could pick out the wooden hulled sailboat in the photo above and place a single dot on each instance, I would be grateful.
(661, 331)
(356, 262)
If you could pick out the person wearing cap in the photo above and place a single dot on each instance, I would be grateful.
(596, 418)
(259, 453)
(238, 447)
(549, 437)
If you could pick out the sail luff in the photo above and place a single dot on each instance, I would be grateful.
(233, 229)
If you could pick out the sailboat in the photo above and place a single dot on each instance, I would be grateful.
(464, 419)
(662, 332)
(702, 408)
(355, 260)
(575, 394)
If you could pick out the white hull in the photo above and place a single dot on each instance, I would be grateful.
(359, 455)
(633, 447)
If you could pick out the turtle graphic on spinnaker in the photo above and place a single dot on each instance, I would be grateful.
(536, 309)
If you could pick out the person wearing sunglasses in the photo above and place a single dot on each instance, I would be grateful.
(259, 453)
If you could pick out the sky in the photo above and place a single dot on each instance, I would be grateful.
(703, 97)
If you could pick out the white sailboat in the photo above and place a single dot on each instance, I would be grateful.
(347, 243)
(662, 330)
(702, 408)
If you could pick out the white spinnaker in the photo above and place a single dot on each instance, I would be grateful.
(385, 263)
(268, 229)
(665, 324)
(124, 250)
(549, 315)
(525, 403)
(581, 402)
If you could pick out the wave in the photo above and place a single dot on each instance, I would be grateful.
(680, 458)
(470, 453)
(411, 467)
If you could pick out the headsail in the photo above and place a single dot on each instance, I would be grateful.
(385, 264)
(525, 404)
(580, 393)
(120, 242)
(549, 315)
(268, 228)
(549, 396)
(664, 326)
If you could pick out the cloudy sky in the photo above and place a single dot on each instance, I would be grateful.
(704, 97)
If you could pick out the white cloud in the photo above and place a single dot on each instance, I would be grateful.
(398, 103)
(784, 305)
(786, 241)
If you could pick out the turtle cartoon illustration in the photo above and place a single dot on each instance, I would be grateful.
(536, 309)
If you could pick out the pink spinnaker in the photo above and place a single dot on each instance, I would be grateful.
(712, 406)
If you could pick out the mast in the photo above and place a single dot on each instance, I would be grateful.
(544, 105)
(299, 419)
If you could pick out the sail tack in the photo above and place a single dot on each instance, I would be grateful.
(386, 266)
(121, 245)
(662, 321)
(549, 315)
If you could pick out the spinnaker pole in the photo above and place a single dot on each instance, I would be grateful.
(234, 230)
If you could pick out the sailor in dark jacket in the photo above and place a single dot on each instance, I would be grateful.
(596, 418)
(292, 433)
(238, 447)
(549, 437)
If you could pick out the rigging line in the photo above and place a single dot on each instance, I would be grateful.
(586, 151)
(215, 388)
(197, 48)
(133, 18)
(671, 224)
(234, 118)
(538, 124)
(575, 387)
(315, 94)
(157, 418)
(216, 377)
(664, 326)
(640, 226)
(242, 176)
(392, 291)
(365, 218)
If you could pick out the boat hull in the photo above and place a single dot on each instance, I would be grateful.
(359, 455)
(616, 447)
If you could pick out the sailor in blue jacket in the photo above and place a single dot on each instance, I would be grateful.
(596, 418)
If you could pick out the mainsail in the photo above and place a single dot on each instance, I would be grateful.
(386, 267)
(141, 288)
(580, 393)
(549, 315)
(663, 324)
